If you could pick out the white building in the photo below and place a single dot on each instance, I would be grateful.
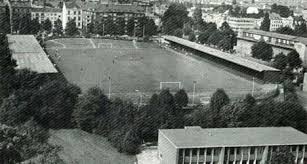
(275, 21)
(72, 11)
(288, 22)
(216, 18)
(42, 14)
(243, 23)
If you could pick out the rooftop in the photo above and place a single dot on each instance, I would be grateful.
(29, 54)
(223, 55)
(56, 10)
(132, 8)
(234, 137)
(277, 35)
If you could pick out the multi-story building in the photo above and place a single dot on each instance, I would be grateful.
(280, 42)
(275, 21)
(194, 145)
(288, 22)
(243, 23)
(72, 10)
(119, 11)
(289, 3)
(42, 14)
(216, 18)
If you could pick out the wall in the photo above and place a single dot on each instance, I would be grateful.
(166, 150)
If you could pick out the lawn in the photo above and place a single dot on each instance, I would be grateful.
(80, 147)
(140, 66)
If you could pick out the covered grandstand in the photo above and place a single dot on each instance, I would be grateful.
(262, 72)
(29, 54)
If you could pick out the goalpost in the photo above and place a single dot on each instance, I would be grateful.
(105, 45)
(177, 83)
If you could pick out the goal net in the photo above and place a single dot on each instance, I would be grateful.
(171, 85)
(105, 45)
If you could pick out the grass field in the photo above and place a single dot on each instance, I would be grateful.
(140, 66)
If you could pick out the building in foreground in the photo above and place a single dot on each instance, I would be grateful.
(194, 145)
(280, 42)
(30, 55)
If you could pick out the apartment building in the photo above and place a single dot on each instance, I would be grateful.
(72, 10)
(280, 42)
(194, 145)
(243, 23)
(275, 21)
(42, 14)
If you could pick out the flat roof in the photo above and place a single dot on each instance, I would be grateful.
(223, 55)
(29, 54)
(234, 137)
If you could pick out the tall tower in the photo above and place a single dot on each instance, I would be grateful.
(64, 17)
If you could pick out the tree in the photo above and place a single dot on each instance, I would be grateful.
(150, 28)
(192, 37)
(25, 24)
(121, 26)
(262, 50)
(294, 59)
(178, 32)
(47, 25)
(54, 112)
(58, 28)
(280, 61)
(265, 24)
(199, 24)
(217, 101)
(225, 44)
(187, 30)
(283, 156)
(233, 115)
(203, 37)
(13, 111)
(174, 17)
(131, 143)
(300, 29)
(7, 68)
(285, 30)
(89, 108)
(215, 37)
(130, 26)
(36, 26)
(71, 28)
(283, 11)
(5, 21)
(181, 98)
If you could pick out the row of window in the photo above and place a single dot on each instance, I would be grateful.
(74, 12)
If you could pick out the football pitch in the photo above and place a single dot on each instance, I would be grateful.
(125, 67)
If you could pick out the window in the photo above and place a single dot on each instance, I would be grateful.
(68, 12)
(209, 151)
(79, 12)
(252, 150)
(75, 12)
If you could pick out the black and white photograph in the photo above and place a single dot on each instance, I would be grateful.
(153, 81)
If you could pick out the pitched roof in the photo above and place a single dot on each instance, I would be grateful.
(234, 137)
(126, 8)
(223, 55)
(29, 54)
(277, 35)
(55, 10)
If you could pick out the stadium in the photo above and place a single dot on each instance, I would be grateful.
(132, 69)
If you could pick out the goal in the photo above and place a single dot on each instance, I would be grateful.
(105, 45)
(172, 85)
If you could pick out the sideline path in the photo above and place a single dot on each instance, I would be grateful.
(84, 148)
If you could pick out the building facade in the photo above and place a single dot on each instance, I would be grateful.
(243, 23)
(42, 14)
(194, 145)
(275, 22)
(72, 10)
(280, 43)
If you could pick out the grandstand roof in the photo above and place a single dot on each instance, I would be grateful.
(29, 54)
(277, 35)
(194, 137)
(223, 55)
